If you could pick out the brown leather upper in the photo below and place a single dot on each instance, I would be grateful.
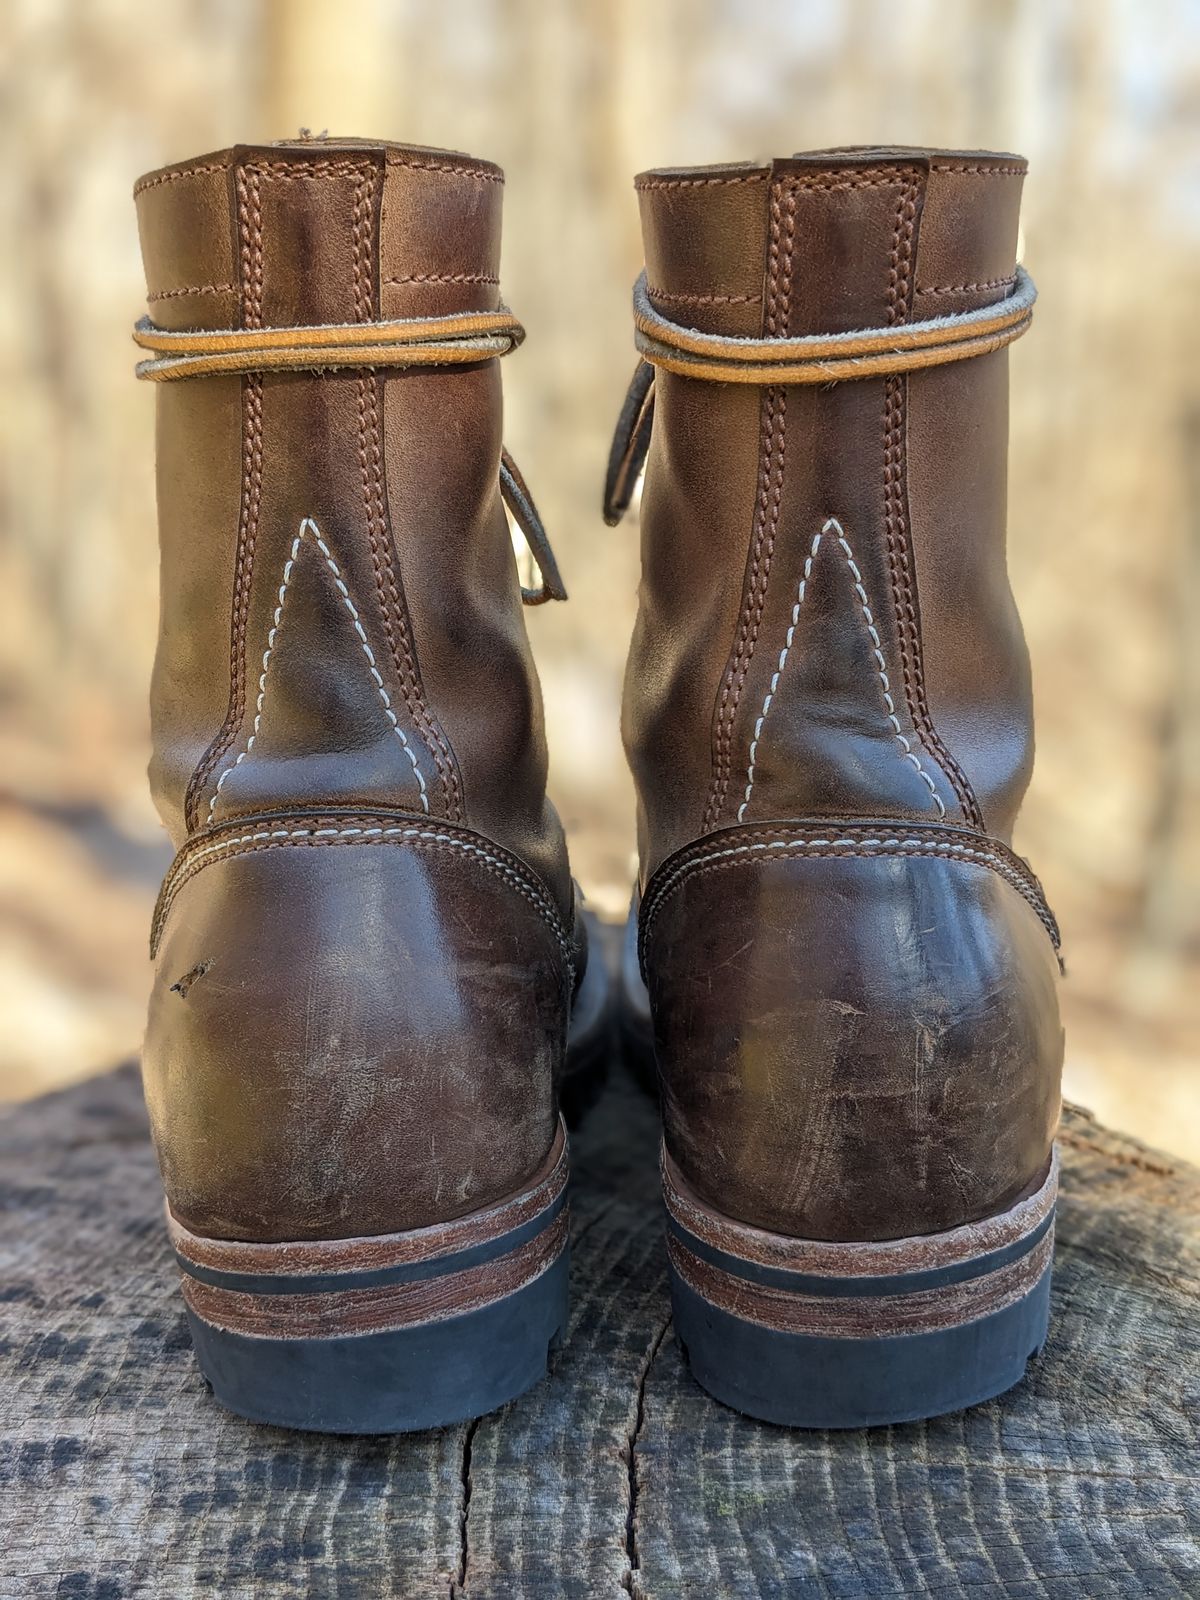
(342, 654)
(865, 1043)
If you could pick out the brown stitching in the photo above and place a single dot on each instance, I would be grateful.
(764, 534)
(907, 619)
(254, 295)
(895, 524)
(178, 177)
(969, 288)
(444, 277)
(815, 180)
(250, 229)
(819, 180)
(495, 870)
(200, 288)
(952, 836)
(703, 299)
(898, 261)
(480, 174)
(990, 172)
(418, 835)
(370, 457)
(303, 170)
(698, 183)
(772, 427)
(340, 818)
(435, 739)
(938, 849)
(362, 195)
(768, 502)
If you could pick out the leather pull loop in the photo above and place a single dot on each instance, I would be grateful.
(515, 494)
(831, 357)
(631, 441)
(409, 342)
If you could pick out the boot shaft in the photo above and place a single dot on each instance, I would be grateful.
(827, 706)
(826, 627)
(366, 946)
(341, 618)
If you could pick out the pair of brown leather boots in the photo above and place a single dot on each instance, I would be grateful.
(374, 987)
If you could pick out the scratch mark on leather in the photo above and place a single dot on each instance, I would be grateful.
(832, 525)
(191, 976)
(308, 528)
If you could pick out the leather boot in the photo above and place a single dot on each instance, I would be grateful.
(851, 979)
(368, 947)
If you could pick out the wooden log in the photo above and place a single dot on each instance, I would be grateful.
(120, 1477)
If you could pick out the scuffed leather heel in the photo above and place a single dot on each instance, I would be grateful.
(818, 1334)
(385, 1334)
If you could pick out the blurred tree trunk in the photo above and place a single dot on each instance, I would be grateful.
(573, 99)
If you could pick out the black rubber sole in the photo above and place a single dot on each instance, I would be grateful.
(804, 1381)
(389, 1333)
(396, 1381)
(816, 1334)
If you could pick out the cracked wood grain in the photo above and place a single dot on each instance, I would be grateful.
(617, 1477)
(631, 1461)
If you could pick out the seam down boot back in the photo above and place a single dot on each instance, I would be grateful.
(367, 947)
(852, 978)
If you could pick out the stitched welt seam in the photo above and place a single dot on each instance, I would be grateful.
(688, 299)
(986, 172)
(200, 288)
(313, 171)
(699, 183)
(289, 839)
(178, 177)
(968, 288)
(481, 175)
(851, 848)
(442, 277)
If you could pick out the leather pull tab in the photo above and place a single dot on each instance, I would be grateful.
(515, 494)
(631, 441)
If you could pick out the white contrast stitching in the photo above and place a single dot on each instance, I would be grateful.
(770, 695)
(306, 527)
(832, 524)
(909, 846)
(217, 847)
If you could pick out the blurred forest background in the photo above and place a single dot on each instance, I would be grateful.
(573, 97)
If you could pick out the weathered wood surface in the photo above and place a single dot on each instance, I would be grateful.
(120, 1477)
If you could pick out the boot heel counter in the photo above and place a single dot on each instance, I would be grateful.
(856, 1040)
(352, 1038)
